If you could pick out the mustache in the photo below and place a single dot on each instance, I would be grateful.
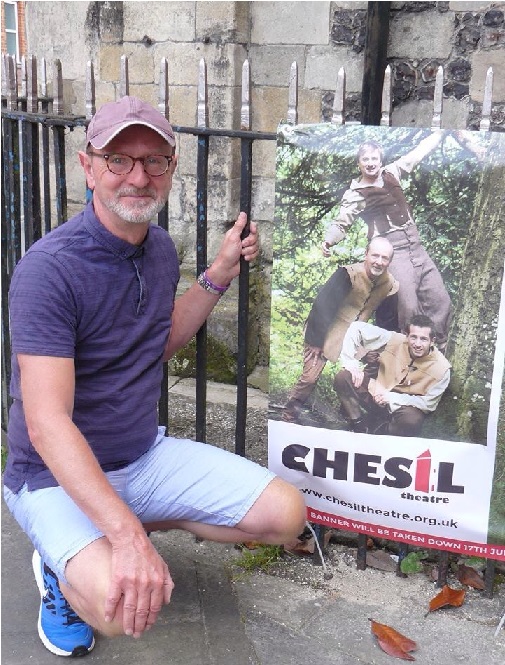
(134, 191)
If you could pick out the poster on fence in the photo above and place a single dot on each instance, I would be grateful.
(387, 337)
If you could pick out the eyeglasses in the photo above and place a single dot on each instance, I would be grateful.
(154, 165)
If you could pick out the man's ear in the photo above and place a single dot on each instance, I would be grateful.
(85, 161)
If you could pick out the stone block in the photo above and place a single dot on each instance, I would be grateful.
(309, 106)
(183, 59)
(421, 35)
(182, 99)
(261, 59)
(220, 22)
(290, 22)
(263, 198)
(455, 113)
(264, 154)
(54, 30)
(352, 4)
(469, 6)
(160, 21)
(414, 113)
(109, 62)
(140, 63)
(323, 64)
(481, 61)
(269, 108)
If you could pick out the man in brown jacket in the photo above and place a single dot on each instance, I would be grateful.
(402, 379)
(352, 293)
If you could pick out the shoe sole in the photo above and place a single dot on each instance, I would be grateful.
(78, 651)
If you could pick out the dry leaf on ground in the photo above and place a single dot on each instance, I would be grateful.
(471, 577)
(392, 642)
(380, 560)
(447, 596)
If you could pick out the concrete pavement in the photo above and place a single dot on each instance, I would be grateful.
(291, 616)
(220, 616)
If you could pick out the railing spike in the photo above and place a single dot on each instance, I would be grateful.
(32, 97)
(245, 109)
(163, 91)
(387, 98)
(338, 114)
(90, 90)
(485, 122)
(436, 121)
(57, 88)
(11, 82)
(43, 78)
(23, 76)
(124, 80)
(293, 95)
(202, 111)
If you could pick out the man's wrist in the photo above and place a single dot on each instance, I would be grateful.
(206, 283)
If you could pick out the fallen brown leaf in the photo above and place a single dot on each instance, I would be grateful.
(380, 560)
(392, 642)
(469, 576)
(447, 596)
(306, 546)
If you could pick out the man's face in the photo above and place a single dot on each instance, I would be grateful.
(369, 162)
(135, 197)
(419, 341)
(377, 258)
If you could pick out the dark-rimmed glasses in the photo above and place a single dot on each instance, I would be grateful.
(154, 165)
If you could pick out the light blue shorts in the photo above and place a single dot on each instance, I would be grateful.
(177, 479)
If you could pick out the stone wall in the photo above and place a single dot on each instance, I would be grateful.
(465, 37)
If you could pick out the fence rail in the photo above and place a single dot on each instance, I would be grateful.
(30, 120)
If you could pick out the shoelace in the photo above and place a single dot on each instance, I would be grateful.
(71, 618)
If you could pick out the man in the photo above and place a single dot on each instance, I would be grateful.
(353, 292)
(399, 385)
(377, 197)
(94, 317)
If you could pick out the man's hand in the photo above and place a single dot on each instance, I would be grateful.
(357, 376)
(381, 397)
(313, 353)
(325, 247)
(226, 265)
(141, 578)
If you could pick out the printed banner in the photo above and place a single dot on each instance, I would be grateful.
(388, 332)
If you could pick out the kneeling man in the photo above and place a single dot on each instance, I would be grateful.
(399, 380)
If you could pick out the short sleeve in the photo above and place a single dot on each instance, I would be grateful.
(42, 306)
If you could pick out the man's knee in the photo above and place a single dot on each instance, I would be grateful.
(283, 512)
(342, 381)
(406, 421)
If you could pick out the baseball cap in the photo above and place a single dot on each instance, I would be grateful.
(113, 117)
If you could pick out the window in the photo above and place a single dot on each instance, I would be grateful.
(11, 29)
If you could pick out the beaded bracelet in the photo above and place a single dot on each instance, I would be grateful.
(204, 281)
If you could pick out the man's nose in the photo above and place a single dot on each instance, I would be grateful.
(137, 175)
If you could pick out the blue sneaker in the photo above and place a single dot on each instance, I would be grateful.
(60, 629)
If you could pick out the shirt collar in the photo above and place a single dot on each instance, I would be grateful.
(111, 242)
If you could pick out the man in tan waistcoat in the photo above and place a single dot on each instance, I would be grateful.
(402, 379)
(352, 293)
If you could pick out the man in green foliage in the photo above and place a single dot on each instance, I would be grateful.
(377, 197)
(352, 293)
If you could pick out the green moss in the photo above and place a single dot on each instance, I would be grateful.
(221, 363)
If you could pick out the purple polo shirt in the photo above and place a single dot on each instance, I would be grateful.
(80, 292)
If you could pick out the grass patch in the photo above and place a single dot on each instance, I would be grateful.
(262, 558)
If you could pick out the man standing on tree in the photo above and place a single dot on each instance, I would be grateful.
(352, 293)
(399, 380)
(378, 198)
